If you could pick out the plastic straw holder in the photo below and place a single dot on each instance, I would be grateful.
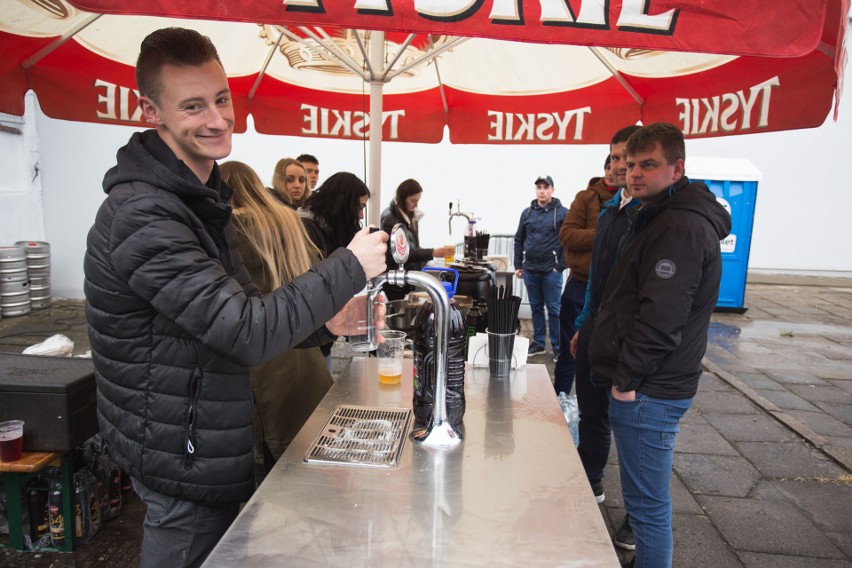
(500, 347)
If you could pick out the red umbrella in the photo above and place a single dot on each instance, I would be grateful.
(782, 70)
(510, 72)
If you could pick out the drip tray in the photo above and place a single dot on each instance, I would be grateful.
(358, 435)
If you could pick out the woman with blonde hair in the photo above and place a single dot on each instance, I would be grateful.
(275, 249)
(290, 182)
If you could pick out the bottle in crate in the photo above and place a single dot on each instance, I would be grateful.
(37, 509)
(109, 476)
(126, 488)
(94, 504)
(81, 511)
(57, 518)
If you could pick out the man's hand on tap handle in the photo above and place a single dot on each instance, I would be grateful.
(369, 245)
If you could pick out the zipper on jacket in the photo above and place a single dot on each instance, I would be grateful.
(189, 446)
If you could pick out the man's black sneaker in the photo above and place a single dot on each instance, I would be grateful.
(628, 563)
(624, 536)
(535, 348)
(597, 489)
(555, 355)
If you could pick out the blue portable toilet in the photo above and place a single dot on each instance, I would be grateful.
(734, 182)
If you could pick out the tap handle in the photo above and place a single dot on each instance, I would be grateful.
(399, 245)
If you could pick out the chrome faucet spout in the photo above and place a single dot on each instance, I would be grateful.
(469, 216)
(440, 433)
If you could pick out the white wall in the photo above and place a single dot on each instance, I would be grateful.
(20, 180)
(801, 220)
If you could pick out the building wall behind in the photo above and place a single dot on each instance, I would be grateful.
(21, 214)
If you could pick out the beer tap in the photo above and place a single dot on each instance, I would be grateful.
(440, 433)
(469, 216)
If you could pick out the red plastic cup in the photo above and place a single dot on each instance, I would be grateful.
(11, 440)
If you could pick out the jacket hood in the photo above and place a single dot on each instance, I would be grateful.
(554, 204)
(311, 216)
(614, 200)
(602, 190)
(148, 159)
(694, 196)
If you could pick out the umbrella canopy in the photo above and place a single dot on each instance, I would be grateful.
(302, 68)
(516, 72)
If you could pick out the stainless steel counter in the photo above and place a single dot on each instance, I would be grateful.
(513, 494)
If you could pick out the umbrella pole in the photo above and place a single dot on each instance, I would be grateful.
(377, 51)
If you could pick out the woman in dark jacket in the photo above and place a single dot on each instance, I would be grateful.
(332, 215)
(403, 209)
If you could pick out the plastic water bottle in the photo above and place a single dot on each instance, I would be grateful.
(572, 415)
(425, 359)
(470, 241)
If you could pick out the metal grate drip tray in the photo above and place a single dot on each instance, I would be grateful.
(358, 435)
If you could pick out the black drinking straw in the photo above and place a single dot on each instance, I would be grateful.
(502, 311)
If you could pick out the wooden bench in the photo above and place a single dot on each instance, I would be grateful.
(15, 475)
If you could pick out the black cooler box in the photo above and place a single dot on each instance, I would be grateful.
(54, 396)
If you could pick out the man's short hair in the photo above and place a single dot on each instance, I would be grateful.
(667, 135)
(170, 46)
(623, 134)
(308, 158)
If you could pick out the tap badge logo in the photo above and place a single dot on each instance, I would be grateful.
(401, 244)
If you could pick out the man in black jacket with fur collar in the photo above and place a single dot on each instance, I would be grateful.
(651, 331)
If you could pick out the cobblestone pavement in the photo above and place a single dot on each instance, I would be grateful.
(763, 462)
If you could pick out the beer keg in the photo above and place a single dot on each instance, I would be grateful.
(14, 285)
(38, 272)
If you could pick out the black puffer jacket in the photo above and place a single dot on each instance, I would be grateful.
(651, 331)
(174, 322)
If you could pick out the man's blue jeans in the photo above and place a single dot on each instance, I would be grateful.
(645, 432)
(544, 289)
(573, 298)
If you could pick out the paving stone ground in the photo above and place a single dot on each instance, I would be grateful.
(763, 463)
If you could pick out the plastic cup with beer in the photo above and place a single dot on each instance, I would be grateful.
(11, 440)
(451, 256)
(390, 353)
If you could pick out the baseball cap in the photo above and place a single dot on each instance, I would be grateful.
(545, 179)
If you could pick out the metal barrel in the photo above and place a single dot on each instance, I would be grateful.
(14, 282)
(38, 269)
(13, 260)
(39, 296)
